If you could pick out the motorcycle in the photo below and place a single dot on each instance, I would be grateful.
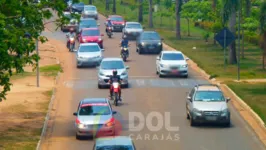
(71, 44)
(124, 54)
(115, 95)
(109, 32)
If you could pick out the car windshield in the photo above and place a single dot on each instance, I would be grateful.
(213, 96)
(68, 16)
(115, 147)
(150, 36)
(94, 109)
(89, 48)
(91, 33)
(116, 18)
(134, 26)
(172, 56)
(107, 65)
(79, 4)
(88, 23)
(89, 8)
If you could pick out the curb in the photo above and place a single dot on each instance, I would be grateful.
(48, 113)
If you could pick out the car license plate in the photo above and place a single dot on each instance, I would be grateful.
(175, 71)
(151, 47)
(117, 27)
(211, 118)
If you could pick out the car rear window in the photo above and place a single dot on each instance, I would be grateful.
(115, 147)
(88, 23)
(91, 33)
(172, 56)
(150, 36)
(116, 18)
(112, 65)
(134, 26)
(94, 109)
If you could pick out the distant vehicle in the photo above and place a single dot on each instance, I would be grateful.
(94, 116)
(106, 71)
(73, 23)
(114, 143)
(172, 63)
(77, 7)
(149, 42)
(90, 11)
(87, 23)
(132, 30)
(69, 3)
(206, 103)
(89, 54)
(117, 21)
(91, 35)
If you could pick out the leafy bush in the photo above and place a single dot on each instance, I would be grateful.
(206, 25)
(216, 27)
(251, 37)
(206, 36)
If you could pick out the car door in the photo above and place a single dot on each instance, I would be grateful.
(158, 60)
(189, 103)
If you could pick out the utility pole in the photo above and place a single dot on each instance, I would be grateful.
(239, 44)
(37, 69)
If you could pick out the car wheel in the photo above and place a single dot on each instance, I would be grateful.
(228, 123)
(126, 86)
(187, 116)
(192, 122)
(185, 76)
(140, 52)
(78, 137)
(160, 75)
(99, 86)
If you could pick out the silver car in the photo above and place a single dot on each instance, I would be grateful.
(89, 54)
(171, 63)
(206, 103)
(94, 117)
(132, 30)
(106, 71)
(90, 11)
(114, 143)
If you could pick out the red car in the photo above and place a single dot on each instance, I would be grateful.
(91, 35)
(117, 21)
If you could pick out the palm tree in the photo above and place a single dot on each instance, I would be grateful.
(150, 14)
(248, 7)
(90, 2)
(178, 4)
(230, 9)
(263, 31)
(106, 4)
(114, 6)
(140, 18)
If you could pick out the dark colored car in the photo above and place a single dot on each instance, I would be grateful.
(117, 21)
(87, 23)
(77, 7)
(91, 35)
(73, 23)
(149, 42)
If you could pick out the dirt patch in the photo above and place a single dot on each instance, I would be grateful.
(23, 112)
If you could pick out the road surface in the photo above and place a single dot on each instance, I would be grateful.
(146, 93)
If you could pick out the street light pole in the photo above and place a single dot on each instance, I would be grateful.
(37, 69)
(239, 45)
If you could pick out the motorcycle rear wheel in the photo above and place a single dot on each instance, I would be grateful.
(116, 99)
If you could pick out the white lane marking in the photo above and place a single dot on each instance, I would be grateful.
(173, 83)
(140, 82)
(95, 78)
(203, 148)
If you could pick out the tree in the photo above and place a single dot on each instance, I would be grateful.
(150, 14)
(248, 7)
(230, 8)
(90, 2)
(263, 31)
(140, 17)
(16, 19)
(114, 6)
(177, 13)
(107, 4)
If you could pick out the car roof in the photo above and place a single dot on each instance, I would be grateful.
(112, 59)
(114, 16)
(117, 140)
(90, 28)
(171, 52)
(87, 19)
(133, 23)
(94, 100)
(89, 6)
(208, 88)
(87, 44)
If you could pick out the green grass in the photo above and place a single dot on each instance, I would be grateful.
(253, 94)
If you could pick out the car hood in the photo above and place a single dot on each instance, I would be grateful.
(90, 120)
(118, 22)
(133, 30)
(209, 106)
(110, 72)
(91, 37)
(89, 54)
(151, 41)
(173, 62)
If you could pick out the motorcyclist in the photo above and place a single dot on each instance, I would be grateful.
(108, 24)
(115, 78)
(71, 33)
(124, 43)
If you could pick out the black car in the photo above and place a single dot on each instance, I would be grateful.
(87, 23)
(77, 7)
(149, 42)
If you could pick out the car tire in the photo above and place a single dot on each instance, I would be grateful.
(157, 72)
(160, 75)
(78, 137)
(185, 76)
(228, 123)
(126, 86)
(192, 122)
(99, 86)
(139, 51)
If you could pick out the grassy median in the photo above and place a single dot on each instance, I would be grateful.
(208, 56)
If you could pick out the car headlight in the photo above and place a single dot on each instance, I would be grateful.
(81, 125)
(142, 43)
(163, 66)
(124, 73)
(224, 112)
(159, 43)
(184, 66)
(196, 111)
(101, 74)
(123, 24)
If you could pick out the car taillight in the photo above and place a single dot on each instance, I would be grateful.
(77, 121)
(110, 122)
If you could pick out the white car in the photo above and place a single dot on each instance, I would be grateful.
(172, 63)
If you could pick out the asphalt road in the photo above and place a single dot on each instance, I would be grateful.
(146, 93)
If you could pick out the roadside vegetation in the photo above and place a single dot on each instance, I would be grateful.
(195, 23)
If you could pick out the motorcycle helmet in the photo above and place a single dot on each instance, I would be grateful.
(71, 30)
(114, 72)
(124, 36)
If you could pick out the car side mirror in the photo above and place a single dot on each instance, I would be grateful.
(157, 58)
(187, 59)
(75, 114)
(228, 99)
(189, 98)
(127, 67)
(114, 112)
